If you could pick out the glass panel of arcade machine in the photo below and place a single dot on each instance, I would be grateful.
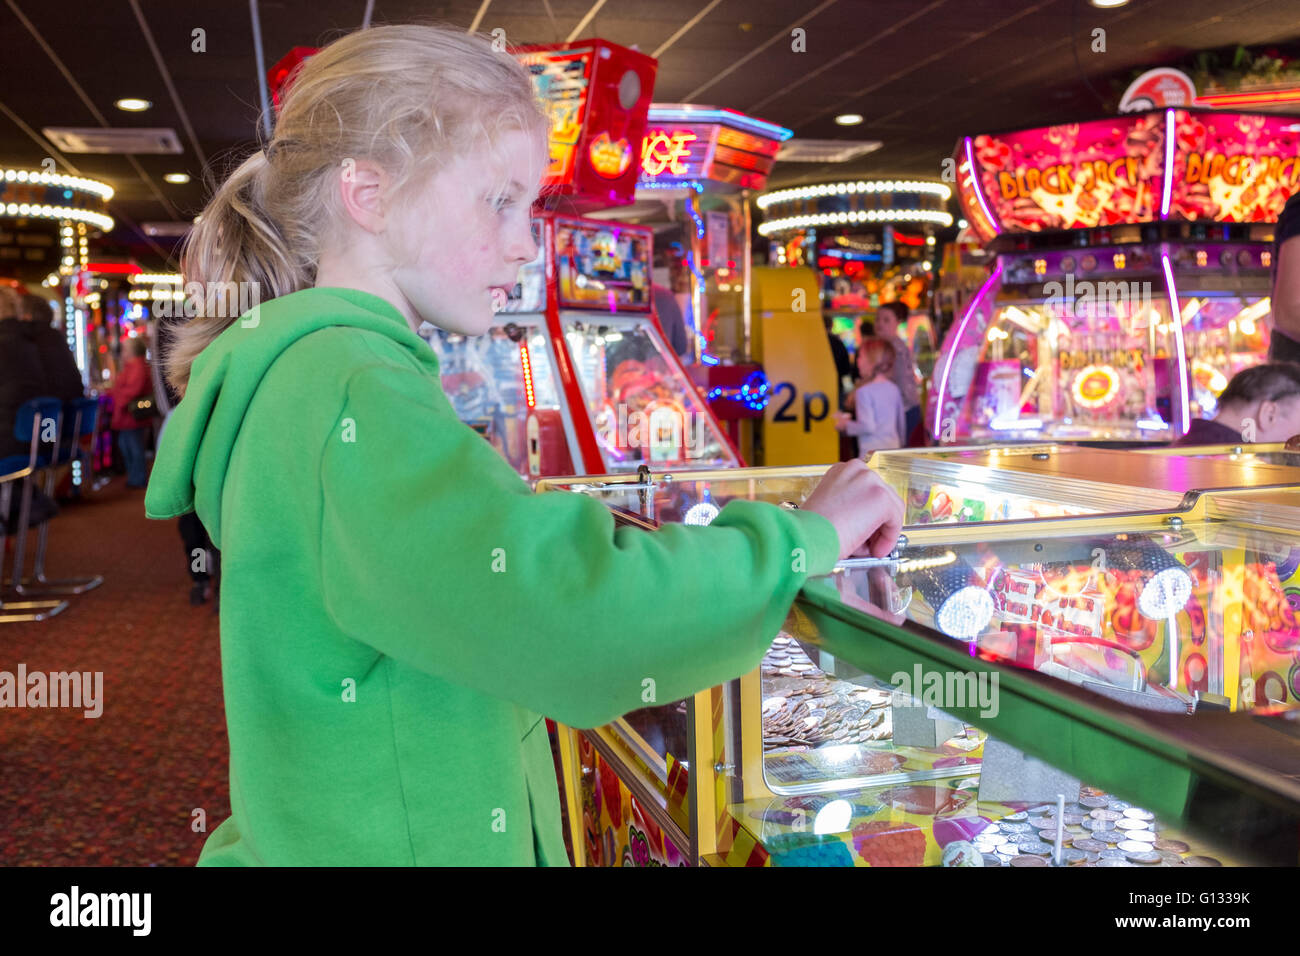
(1166, 620)
(1033, 370)
(1224, 334)
(643, 408)
(486, 379)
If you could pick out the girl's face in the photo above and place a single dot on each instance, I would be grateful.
(459, 239)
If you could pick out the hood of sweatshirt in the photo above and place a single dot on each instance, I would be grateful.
(193, 457)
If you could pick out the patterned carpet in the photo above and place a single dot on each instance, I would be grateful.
(120, 789)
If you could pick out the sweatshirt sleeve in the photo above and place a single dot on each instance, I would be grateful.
(864, 420)
(434, 552)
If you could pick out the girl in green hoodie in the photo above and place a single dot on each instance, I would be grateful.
(398, 609)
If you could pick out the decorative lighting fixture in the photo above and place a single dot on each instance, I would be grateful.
(131, 104)
(848, 119)
(180, 179)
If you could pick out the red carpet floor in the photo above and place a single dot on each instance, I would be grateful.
(121, 789)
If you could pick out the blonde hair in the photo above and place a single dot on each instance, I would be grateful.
(411, 98)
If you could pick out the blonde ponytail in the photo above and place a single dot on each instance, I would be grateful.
(265, 228)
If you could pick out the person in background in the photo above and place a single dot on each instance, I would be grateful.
(133, 382)
(1260, 404)
(22, 377)
(1284, 345)
(671, 321)
(878, 404)
(889, 318)
(840, 353)
(58, 367)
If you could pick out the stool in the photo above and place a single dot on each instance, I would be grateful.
(84, 413)
(36, 419)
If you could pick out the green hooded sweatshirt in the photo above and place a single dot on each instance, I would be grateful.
(398, 608)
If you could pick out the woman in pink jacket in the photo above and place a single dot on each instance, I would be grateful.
(133, 382)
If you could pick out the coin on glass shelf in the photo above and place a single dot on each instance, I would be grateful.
(1106, 815)
(1025, 839)
(1014, 827)
(1114, 855)
(1172, 846)
(1133, 846)
(1098, 826)
(1119, 804)
(1107, 862)
(1073, 819)
(1201, 861)
(1144, 836)
(1007, 850)
(1137, 813)
(1028, 861)
(1089, 845)
(1071, 855)
(1049, 836)
(992, 859)
(1093, 803)
(1145, 857)
(1128, 824)
(995, 839)
(1016, 817)
(1169, 856)
(1036, 849)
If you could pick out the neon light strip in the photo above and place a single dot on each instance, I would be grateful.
(687, 114)
(979, 190)
(956, 344)
(841, 218)
(1176, 321)
(1249, 99)
(890, 186)
(526, 361)
(1169, 168)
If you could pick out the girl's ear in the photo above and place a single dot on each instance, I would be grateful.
(362, 185)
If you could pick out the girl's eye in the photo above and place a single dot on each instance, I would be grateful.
(502, 203)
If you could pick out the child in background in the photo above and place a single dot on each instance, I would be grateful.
(878, 404)
(398, 609)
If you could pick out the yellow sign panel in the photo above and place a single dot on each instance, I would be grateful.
(791, 343)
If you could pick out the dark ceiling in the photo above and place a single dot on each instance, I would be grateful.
(921, 72)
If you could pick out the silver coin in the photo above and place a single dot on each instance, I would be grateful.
(1035, 849)
(1137, 813)
(1145, 836)
(1127, 823)
(1023, 840)
(1014, 827)
(1071, 855)
(1016, 817)
(1090, 846)
(1134, 846)
(1114, 863)
(994, 839)
(1008, 850)
(1093, 803)
(1114, 855)
(1098, 826)
(1147, 857)
(992, 859)
(1119, 804)
(1106, 814)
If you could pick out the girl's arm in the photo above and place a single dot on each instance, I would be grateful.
(434, 552)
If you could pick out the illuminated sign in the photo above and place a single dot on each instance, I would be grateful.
(1139, 167)
(668, 152)
(561, 80)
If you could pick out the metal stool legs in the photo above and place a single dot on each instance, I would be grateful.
(12, 612)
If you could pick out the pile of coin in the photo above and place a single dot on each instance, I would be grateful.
(1098, 830)
(803, 708)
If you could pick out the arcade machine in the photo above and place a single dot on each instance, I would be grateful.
(699, 166)
(1131, 275)
(579, 378)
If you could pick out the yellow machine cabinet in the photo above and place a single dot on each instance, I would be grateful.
(790, 342)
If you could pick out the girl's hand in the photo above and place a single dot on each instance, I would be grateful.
(842, 419)
(864, 510)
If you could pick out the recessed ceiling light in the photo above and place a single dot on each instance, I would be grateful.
(1108, 3)
(179, 179)
(849, 119)
(133, 105)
